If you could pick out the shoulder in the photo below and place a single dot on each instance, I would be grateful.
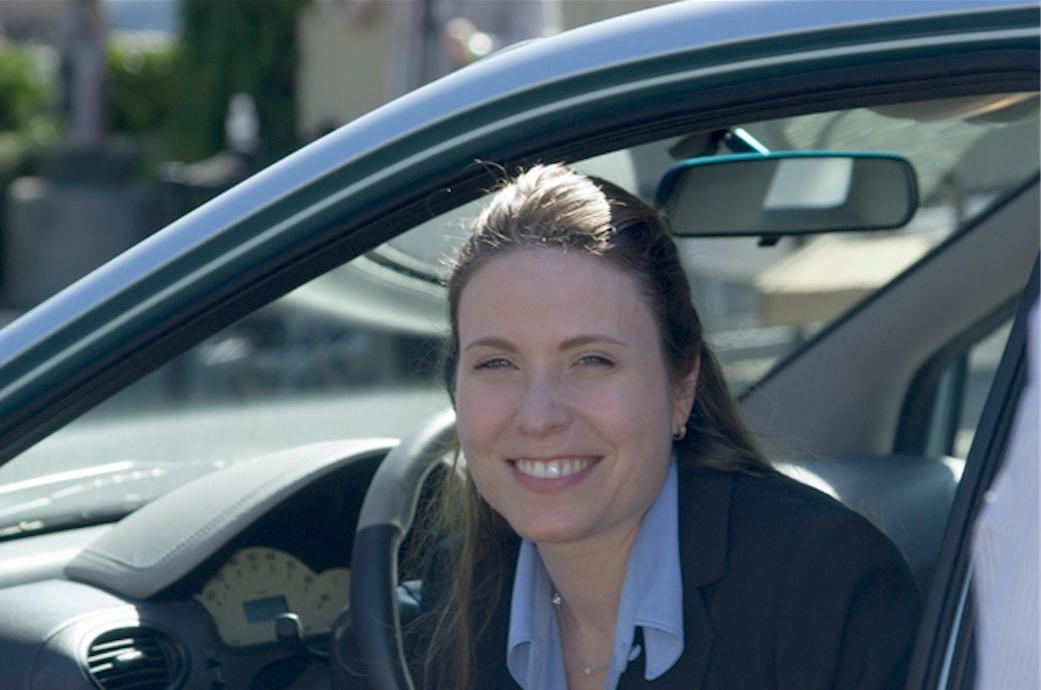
(774, 519)
(787, 546)
(796, 587)
(802, 507)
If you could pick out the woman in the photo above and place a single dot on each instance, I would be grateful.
(617, 527)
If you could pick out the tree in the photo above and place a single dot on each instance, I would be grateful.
(246, 46)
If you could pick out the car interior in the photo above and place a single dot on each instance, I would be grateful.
(203, 536)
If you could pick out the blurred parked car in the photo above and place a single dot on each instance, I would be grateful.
(189, 432)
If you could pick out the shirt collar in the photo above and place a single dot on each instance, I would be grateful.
(652, 598)
(527, 644)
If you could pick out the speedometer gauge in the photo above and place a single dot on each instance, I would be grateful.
(258, 584)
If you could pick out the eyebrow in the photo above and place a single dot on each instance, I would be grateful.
(577, 341)
(491, 341)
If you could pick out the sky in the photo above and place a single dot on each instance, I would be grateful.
(142, 15)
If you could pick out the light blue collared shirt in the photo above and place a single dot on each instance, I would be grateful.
(652, 598)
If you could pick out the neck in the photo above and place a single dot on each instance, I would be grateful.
(589, 576)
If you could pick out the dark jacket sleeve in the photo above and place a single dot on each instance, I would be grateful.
(489, 653)
(418, 634)
(850, 611)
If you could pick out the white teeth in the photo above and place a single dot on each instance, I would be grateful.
(554, 469)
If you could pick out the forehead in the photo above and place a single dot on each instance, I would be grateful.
(552, 291)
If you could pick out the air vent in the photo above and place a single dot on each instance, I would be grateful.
(135, 659)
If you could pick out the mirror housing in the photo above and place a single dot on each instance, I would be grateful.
(788, 193)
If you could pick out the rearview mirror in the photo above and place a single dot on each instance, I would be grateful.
(788, 193)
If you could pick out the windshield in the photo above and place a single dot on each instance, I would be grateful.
(355, 352)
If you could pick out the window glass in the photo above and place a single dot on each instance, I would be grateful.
(960, 394)
(353, 354)
(980, 365)
(760, 302)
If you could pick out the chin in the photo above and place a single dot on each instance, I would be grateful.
(551, 531)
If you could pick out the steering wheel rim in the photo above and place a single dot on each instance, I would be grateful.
(386, 517)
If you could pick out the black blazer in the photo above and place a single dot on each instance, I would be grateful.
(783, 589)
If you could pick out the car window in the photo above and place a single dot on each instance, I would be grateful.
(759, 303)
(351, 354)
(961, 392)
(981, 364)
(354, 352)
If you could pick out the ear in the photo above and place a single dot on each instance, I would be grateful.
(684, 391)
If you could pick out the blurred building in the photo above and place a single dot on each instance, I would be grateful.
(356, 55)
(31, 20)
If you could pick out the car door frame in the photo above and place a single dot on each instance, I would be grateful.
(943, 654)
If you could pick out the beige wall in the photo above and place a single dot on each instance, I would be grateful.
(341, 72)
(346, 60)
(579, 12)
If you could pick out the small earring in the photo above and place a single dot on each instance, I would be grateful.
(679, 435)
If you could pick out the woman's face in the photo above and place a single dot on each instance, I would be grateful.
(565, 407)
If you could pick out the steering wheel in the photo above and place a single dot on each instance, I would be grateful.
(375, 644)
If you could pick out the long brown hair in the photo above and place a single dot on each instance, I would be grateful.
(554, 207)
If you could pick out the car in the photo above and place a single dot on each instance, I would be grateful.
(204, 483)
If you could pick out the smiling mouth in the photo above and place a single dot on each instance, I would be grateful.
(552, 469)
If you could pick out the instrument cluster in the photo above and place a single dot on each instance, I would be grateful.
(257, 584)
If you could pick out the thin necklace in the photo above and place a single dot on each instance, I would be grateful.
(587, 669)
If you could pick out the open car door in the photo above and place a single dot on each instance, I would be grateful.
(945, 653)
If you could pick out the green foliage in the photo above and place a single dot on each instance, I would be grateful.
(246, 46)
(26, 93)
(141, 88)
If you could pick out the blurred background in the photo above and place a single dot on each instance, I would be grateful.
(119, 116)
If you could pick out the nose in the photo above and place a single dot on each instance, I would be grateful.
(542, 407)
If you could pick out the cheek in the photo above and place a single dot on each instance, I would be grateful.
(477, 427)
(637, 414)
(469, 423)
(479, 418)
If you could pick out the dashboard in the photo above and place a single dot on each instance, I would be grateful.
(187, 590)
